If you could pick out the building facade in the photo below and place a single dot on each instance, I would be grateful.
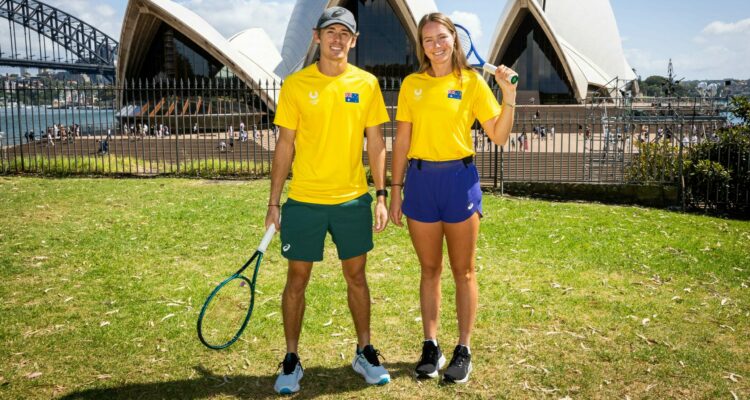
(563, 50)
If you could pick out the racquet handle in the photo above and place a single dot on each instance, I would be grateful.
(491, 69)
(267, 238)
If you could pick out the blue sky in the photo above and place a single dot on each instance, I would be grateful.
(653, 31)
(705, 39)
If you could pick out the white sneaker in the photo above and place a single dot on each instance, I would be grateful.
(291, 372)
(367, 364)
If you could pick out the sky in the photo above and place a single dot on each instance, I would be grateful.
(704, 39)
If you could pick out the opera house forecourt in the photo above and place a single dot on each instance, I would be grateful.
(563, 50)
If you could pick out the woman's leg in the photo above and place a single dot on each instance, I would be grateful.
(427, 239)
(461, 238)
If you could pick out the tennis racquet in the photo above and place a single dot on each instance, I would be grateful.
(228, 308)
(464, 37)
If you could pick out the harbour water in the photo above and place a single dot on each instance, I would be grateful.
(17, 120)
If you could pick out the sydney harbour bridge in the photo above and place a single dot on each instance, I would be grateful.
(41, 36)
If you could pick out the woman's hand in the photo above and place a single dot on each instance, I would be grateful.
(502, 77)
(394, 209)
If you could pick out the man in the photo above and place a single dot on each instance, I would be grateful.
(323, 111)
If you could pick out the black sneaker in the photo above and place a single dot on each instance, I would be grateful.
(431, 361)
(460, 367)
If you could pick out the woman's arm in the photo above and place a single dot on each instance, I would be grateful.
(498, 128)
(398, 169)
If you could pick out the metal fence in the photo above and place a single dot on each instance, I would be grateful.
(222, 128)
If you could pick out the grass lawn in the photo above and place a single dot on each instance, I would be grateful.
(102, 280)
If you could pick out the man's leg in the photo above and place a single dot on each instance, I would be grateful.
(358, 296)
(293, 301)
(293, 310)
(366, 361)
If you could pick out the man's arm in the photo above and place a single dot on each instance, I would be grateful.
(376, 157)
(282, 162)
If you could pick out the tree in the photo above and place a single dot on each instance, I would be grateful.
(740, 108)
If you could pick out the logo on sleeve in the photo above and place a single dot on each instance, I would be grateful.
(418, 94)
(350, 97)
(454, 94)
(313, 97)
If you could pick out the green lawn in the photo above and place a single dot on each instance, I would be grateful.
(102, 281)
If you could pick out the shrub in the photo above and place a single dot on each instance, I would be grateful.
(717, 173)
(706, 183)
(655, 162)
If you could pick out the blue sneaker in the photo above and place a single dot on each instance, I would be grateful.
(288, 380)
(366, 363)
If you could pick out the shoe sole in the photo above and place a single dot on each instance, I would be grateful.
(381, 381)
(434, 374)
(447, 379)
(289, 390)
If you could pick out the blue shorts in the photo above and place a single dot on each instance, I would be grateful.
(445, 191)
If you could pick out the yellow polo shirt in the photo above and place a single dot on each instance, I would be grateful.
(329, 115)
(442, 111)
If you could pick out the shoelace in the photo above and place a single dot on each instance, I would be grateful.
(430, 355)
(291, 366)
(372, 357)
(458, 358)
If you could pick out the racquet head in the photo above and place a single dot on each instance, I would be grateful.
(467, 44)
(227, 310)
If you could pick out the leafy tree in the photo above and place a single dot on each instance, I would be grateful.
(740, 107)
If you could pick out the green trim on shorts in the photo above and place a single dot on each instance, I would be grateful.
(304, 227)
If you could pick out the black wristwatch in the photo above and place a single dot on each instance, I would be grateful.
(381, 192)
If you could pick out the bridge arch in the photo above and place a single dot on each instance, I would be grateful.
(85, 48)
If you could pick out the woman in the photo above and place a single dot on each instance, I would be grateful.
(442, 198)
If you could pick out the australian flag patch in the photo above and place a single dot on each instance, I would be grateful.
(350, 97)
(454, 94)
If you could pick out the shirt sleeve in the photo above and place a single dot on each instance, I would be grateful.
(403, 113)
(287, 112)
(485, 105)
(377, 114)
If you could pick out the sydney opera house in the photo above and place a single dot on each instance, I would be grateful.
(564, 50)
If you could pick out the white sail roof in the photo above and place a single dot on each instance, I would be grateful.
(142, 18)
(583, 34)
(298, 39)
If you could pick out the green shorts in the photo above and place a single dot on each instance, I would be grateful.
(304, 227)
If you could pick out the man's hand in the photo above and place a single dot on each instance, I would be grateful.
(381, 216)
(273, 217)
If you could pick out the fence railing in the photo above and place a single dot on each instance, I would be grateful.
(222, 128)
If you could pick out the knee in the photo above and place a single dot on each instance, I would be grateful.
(295, 286)
(356, 279)
(464, 275)
(432, 271)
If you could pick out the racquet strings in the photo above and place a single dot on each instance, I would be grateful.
(465, 41)
(226, 312)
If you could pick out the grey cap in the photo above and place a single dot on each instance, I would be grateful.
(337, 15)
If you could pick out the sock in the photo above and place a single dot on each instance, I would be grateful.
(434, 341)
(360, 350)
(467, 348)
